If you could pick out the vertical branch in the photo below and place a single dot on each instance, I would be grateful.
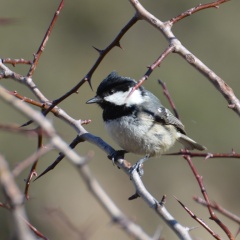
(205, 195)
(44, 41)
(15, 199)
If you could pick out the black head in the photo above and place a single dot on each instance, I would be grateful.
(114, 90)
(113, 83)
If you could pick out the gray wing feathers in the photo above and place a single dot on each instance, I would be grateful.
(189, 144)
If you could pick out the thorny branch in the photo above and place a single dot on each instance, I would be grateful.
(205, 195)
(165, 28)
(200, 221)
(174, 46)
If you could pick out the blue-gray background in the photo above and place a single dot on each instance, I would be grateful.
(212, 35)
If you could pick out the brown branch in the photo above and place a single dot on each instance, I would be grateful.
(165, 28)
(200, 221)
(193, 10)
(33, 171)
(219, 208)
(14, 62)
(30, 160)
(102, 54)
(205, 195)
(44, 41)
(170, 100)
(157, 63)
(205, 155)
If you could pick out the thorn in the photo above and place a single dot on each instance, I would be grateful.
(163, 200)
(90, 84)
(88, 79)
(119, 45)
(134, 196)
(98, 50)
(86, 121)
(27, 123)
(209, 155)
(231, 105)
(192, 228)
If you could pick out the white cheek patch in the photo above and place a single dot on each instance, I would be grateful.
(122, 98)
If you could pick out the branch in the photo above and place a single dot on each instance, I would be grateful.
(205, 195)
(219, 208)
(168, 96)
(102, 54)
(44, 41)
(165, 28)
(76, 160)
(200, 221)
(15, 199)
(205, 155)
(196, 9)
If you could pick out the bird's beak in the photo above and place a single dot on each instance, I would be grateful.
(95, 99)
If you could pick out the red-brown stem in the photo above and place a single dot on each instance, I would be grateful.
(157, 63)
(44, 41)
(206, 155)
(196, 9)
(205, 195)
(219, 209)
(168, 96)
(201, 222)
(16, 61)
(33, 171)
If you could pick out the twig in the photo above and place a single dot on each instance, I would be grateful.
(165, 28)
(15, 199)
(31, 159)
(219, 208)
(44, 41)
(14, 62)
(102, 54)
(205, 155)
(200, 221)
(205, 195)
(157, 63)
(196, 9)
(33, 171)
(170, 100)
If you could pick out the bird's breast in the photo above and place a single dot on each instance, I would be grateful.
(141, 135)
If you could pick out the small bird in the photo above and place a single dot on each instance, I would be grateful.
(138, 122)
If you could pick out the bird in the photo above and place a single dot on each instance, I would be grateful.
(137, 121)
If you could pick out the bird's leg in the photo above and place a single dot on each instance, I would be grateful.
(138, 166)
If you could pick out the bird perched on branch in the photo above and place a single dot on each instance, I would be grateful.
(137, 121)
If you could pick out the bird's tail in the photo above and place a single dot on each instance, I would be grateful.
(189, 144)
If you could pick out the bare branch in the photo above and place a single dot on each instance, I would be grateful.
(205, 195)
(219, 208)
(165, 28)
(44, 41)
(15, 199)
(198, 8)
(200, 221)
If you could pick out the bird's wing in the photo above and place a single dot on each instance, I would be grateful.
(164, 115)
(159, 113)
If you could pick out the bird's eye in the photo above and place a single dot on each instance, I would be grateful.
(111, 91)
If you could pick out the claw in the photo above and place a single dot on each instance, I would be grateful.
(138, 166)
(117, 155)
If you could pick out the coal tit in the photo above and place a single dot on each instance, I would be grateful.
(138, 122)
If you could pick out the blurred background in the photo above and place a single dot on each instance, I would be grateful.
(212, 35)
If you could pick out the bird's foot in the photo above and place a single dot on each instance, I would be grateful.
(138, 166)
(117, 155)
